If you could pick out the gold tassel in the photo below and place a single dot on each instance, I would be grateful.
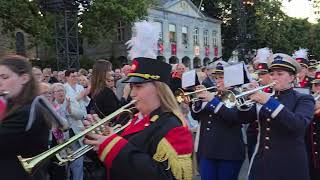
(180, 165)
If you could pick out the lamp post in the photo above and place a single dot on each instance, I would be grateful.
(242, 28)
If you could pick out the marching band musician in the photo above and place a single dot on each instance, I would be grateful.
(221, 147)
(157, 143)
(261, 61)
(280, 153)
(302, 77)
(312, 69)
(313, 133)
(15, 136)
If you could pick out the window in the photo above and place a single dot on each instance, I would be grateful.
(206, 38)
(159, 28)
(172, 33)
(185, 36)
(196, 36)
(214, 38)
(120, 32)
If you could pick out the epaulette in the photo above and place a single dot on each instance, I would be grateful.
(176, 149)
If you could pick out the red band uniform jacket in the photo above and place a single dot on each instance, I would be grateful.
(158, 147)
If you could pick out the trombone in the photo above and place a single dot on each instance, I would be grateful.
(29, 163)
(231, 99)
(186, 97)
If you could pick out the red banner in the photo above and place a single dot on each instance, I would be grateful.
(207, 52)
(173, 49)
(161, 48)
(216, 52)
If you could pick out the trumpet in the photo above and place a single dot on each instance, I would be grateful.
(86, 148)
(316, 96)
(4, 93)
(186, 97)
(231, 99)
(30, 163)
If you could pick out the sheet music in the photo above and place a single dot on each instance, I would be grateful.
(233, 75)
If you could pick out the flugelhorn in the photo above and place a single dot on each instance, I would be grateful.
(29, 163)
(231, 99)
(186, 97)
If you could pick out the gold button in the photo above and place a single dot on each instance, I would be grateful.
(267, 138)
(268, 129)
(315, 143)
(208, 129)
(268, 119)
(314, 123)
(276, 97)
(209, 122)
(210, 115)
(266, 147)
(316, 152)
(314, 133)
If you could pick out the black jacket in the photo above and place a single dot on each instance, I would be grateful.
(283, 120)
(313, 147)
(14, 140)
(104, 103)
(219, 139)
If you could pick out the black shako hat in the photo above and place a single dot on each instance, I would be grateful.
(147, 69)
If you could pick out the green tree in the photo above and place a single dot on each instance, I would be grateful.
(99, 20)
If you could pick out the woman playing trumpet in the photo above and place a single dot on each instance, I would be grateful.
(157, 144)
(221, 147)
(280, 153)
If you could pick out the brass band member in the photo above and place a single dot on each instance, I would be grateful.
(302, 58)
(313, 133)
(157, 144)
(283, 118)
(221, 148)
(261, 62)
(15, 138)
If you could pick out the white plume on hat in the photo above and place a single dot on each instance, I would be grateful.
(144, 42)
(263, 55)
(301, 53)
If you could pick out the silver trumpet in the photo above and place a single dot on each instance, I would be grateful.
(241, 98)
(4, 93)
(316, 96)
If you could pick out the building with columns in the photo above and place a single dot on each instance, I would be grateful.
(187, 35)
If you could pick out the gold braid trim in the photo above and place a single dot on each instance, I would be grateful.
(180, 165)
(145, 76)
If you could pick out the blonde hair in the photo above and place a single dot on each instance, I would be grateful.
(167, 99)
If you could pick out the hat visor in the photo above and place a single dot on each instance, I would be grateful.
(217, 71)
(262, 72)
(137, 80)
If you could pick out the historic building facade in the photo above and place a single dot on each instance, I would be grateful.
(187, 35)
